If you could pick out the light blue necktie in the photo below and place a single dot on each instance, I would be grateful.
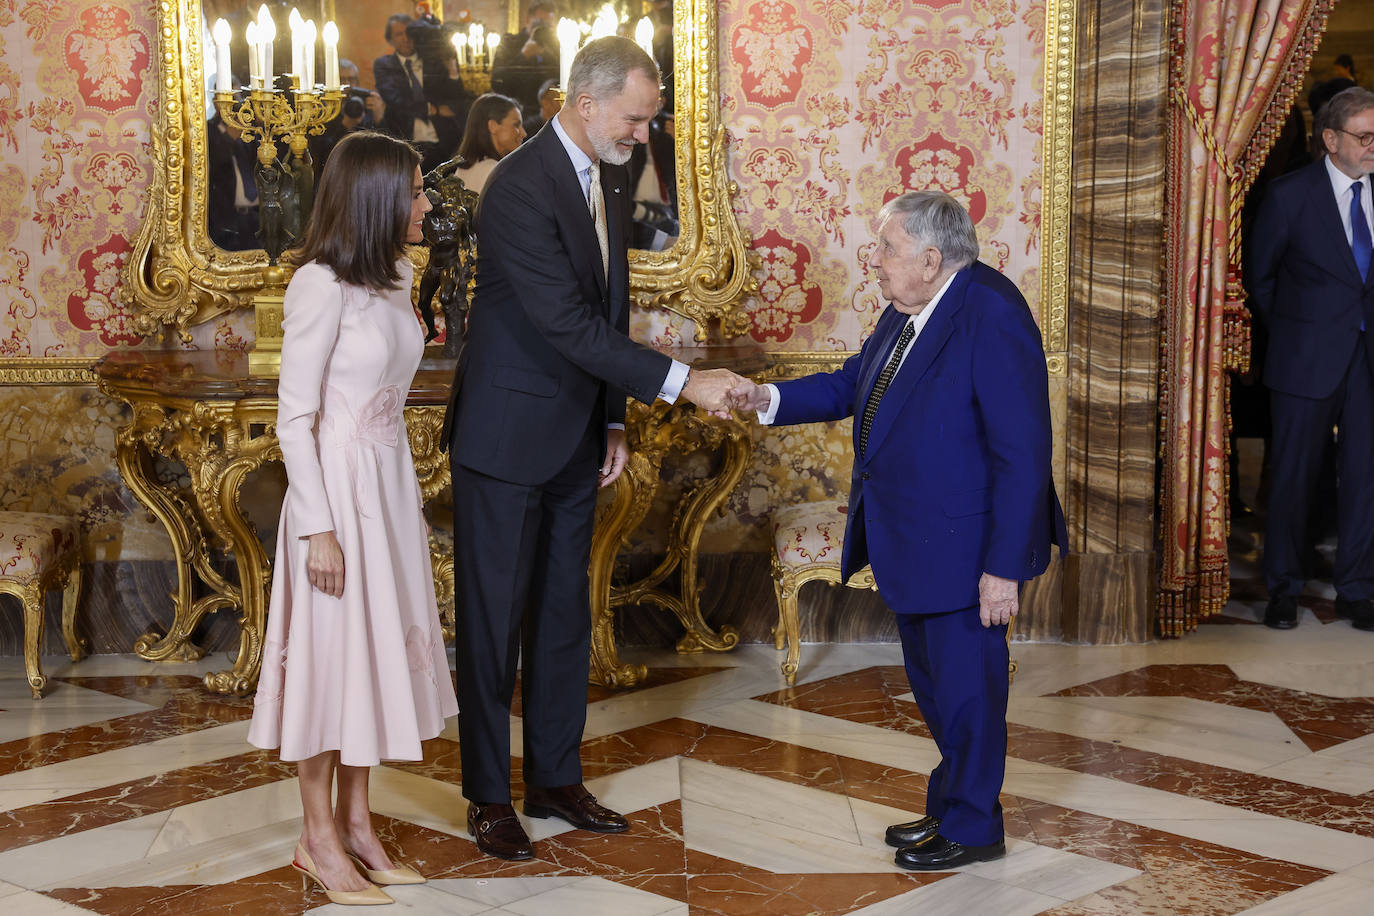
(1360, 241)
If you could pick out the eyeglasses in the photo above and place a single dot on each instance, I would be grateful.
(1362, 139)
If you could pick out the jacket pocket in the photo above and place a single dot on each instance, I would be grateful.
(968, 502)
(513, 378)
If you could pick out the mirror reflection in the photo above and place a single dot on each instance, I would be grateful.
(465, 81)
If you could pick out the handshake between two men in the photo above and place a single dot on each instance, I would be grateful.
(719, 391)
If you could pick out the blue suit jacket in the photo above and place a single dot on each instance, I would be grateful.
(1304, 285)
(956, 480)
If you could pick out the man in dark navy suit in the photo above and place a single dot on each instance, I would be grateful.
(951, 500)
(536, 420)
(1312, 285)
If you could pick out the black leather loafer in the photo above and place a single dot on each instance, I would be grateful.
(575, 805)
(913, 833)
(498, 832)
(940, 854)
(1281, 613)
(1359, 611)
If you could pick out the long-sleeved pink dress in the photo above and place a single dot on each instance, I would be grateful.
(366, 673)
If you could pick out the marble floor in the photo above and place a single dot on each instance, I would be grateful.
(1228, 772)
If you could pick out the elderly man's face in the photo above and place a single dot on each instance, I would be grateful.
(907, 271)
(1347, 150)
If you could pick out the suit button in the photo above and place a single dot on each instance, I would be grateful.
(863, 475)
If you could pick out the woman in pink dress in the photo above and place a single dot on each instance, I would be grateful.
(354, 670)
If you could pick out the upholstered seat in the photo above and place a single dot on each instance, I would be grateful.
(39, 552)
(807, 544)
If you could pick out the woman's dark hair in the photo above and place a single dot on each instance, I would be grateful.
(477, 143)
(362, 210)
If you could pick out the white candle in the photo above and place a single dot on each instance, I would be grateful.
(331, 55)
(267, 33)
(224, 78)
(493, 42)
(309, 53)
(568, 33)
(644, 35)
(254, 58)
(296, 25)
(459, 47)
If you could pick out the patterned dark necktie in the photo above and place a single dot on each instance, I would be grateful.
(1360, 241)
(417, 90)
(884, 379)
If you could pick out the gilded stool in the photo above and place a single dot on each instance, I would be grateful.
(807, 544)
(40, 552)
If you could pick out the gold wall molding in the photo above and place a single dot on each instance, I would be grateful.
(1061, 31)
(176, 277)
(47, 371)
(790, 365)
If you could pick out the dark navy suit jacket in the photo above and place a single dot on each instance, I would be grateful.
(1304, 285)
(956, 479)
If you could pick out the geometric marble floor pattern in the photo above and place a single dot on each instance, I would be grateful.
(1231, 771)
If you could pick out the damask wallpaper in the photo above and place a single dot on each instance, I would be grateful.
(832, 107)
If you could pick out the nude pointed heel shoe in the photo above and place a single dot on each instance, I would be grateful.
(401, 874)
(373, 896)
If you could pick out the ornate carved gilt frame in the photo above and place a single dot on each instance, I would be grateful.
(177, 278)
(1056, 194)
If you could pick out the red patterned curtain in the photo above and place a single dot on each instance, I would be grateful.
(1235, 66)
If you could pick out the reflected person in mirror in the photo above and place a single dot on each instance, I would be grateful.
(535, 424)
(354, 670)
(951, 501)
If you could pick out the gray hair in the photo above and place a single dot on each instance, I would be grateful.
(1338, 111)
(936, 219)
(602, 66)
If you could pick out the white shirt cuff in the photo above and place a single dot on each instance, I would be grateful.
(674, 382)
(774, 399)
(620, 426)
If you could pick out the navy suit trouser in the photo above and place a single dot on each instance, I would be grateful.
(958, 673)
(1301, 429)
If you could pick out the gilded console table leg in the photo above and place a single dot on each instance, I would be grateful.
(134, 457)
(224, 512)
(30, 596)
(700, 505)
(71, 595)
(632, 494)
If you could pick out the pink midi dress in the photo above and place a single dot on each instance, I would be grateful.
(364, 674)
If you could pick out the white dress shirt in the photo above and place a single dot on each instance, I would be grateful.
(424, 131)
(582, 164)
(1341, 187)
(918, 322)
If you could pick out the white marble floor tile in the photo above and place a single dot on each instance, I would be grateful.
(786, 804)
(417, 899)
(1291, 841)
(593, 897)
(6, 889)
(764, 843)
(418, 799)
(963, 895)
(490, 892)
(63, 706)
(639, 787)
(30, 903)
(53, 863)
(228, 815)
(1335, 895)
(115, 666)
(1192, 729)
(1364, 871)
(220, 860)
(139, 761)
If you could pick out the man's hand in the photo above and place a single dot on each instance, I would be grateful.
(324, 564)
(997, 600)
(709, 388)
(617, 453)
(749, 396)
(377, 106)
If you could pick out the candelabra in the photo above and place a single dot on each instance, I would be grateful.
(283, 114)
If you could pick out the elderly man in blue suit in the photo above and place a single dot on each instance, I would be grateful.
(951, 500)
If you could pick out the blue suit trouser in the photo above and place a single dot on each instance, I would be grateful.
(958, 673)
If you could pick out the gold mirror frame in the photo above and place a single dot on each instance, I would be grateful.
(175, 277)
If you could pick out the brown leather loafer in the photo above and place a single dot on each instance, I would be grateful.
(575, 805)
(914, 833)
(497, 832)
